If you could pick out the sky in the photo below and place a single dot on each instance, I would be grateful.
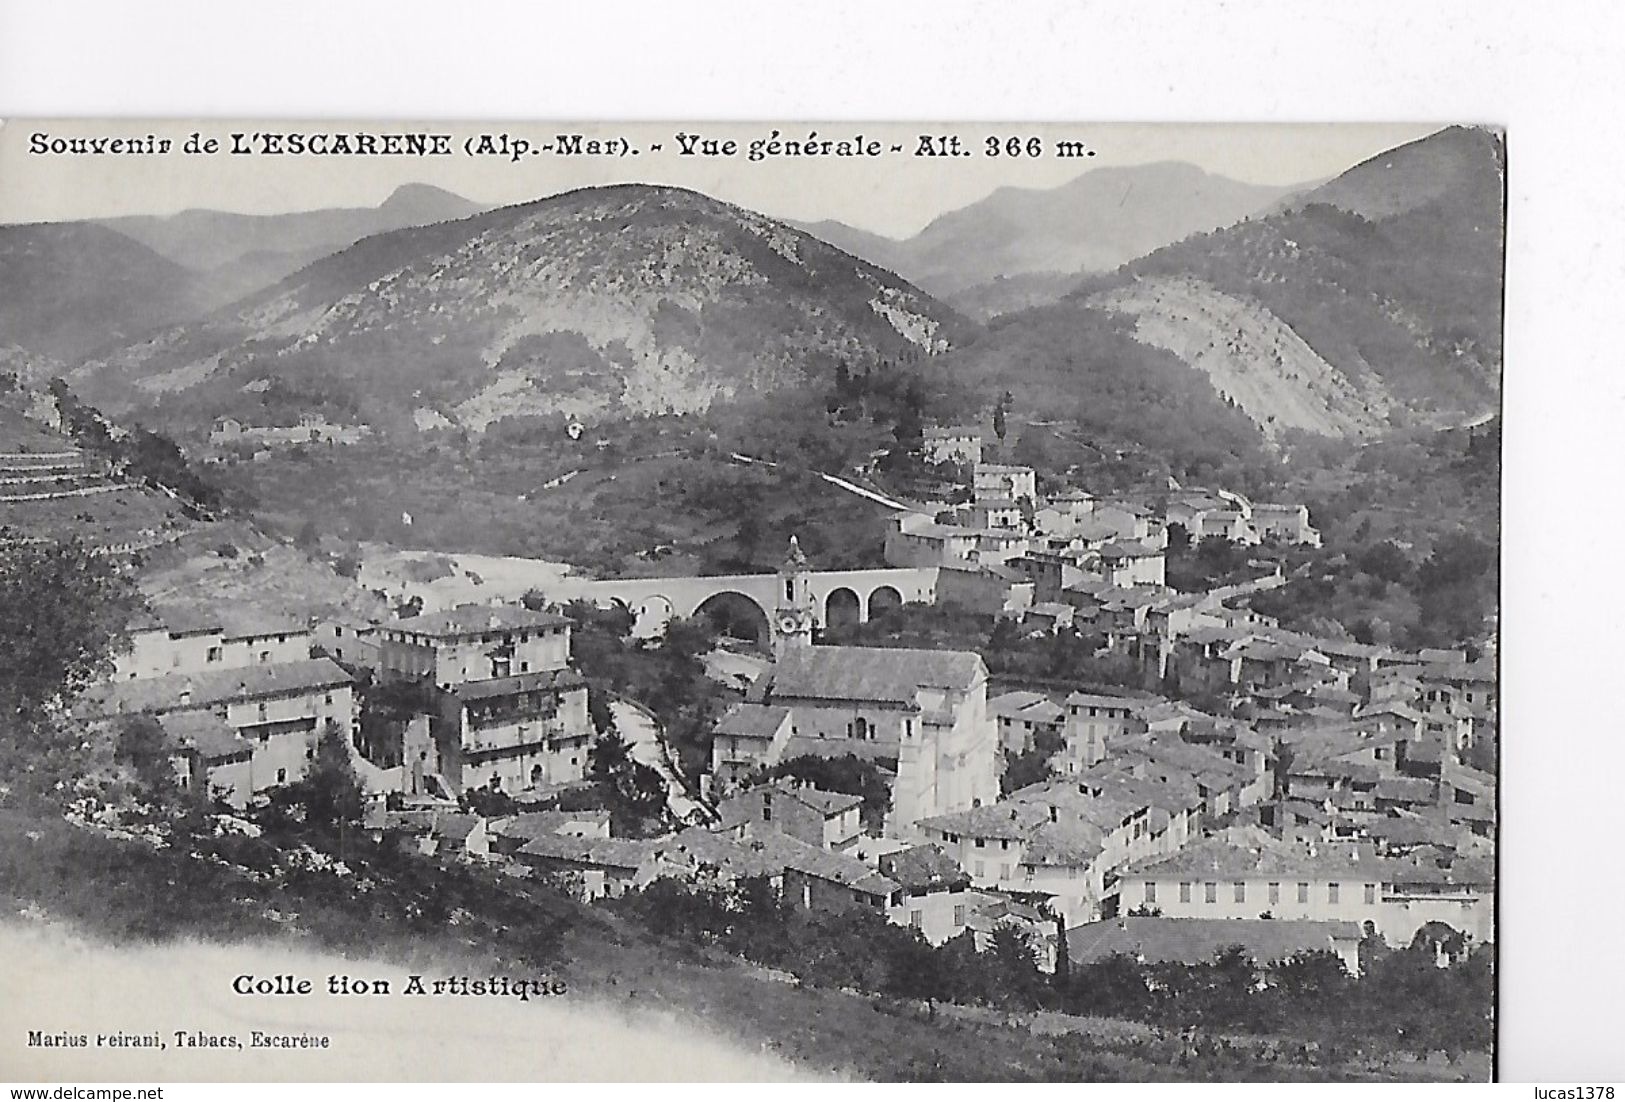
(896, 195)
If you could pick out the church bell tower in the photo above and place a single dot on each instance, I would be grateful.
(793, 616)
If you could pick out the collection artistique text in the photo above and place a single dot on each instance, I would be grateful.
(499, 986)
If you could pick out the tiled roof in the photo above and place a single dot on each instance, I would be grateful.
(1243, 852)
(770, 853)
(828, 803)
(1199, 940)
(923, 868)
(1412, 789)
(476, 619)
(212, 737)
(738, 807)
(163, 694)
(519, 683)
(232, 621)
(1064, 844)
(539, 824)
(1129, 549)
(878, 674)
(752, 721)
(1006, 819)
(1086, 700)
(1013, 703)
(455, 827)
(617, 853)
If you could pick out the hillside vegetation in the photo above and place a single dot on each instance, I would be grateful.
(597, 303)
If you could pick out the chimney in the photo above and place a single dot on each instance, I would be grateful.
(186, 696)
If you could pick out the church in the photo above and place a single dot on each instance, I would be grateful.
(920, 714)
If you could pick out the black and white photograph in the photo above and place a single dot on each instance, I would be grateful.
(750, 601)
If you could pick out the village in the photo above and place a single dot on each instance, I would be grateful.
(1249, 786)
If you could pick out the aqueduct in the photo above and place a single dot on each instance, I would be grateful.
(838, 596)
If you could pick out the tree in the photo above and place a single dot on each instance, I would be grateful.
(63, 617)
(331, 793)
(634, 792)
(142, 745)
(847, 774)
(1006, 400)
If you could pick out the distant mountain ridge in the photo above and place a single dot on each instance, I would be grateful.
(597, 302)
(1391, 273)
(68, 289)
(1371, 301)
(1094, 223)
(245, 252)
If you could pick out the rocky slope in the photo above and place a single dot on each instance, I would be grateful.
(1252, 358)
(1370, 302)
(1391, 273)
(598, 302)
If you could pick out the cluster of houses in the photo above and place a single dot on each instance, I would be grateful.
(1069, 559)
(246, 700)
(1323, 792)
(1158, 825)
(232, 437)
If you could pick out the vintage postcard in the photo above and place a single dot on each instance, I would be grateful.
(749, 601)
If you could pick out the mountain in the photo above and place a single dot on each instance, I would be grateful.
(1370, 301)
(598, 302)
(1388, 277)
(69, 289)
(1097, 222)
(246, 252)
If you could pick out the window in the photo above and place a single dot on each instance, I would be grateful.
(1150, 891)
(1370, 893)
(1004, 872)
(1303, 892)
(789, 589)
(1004, 843)
(916, 919)
(262, 709)
(767, 811)
(281, 776)
(1275, 893)
(1332, 892)
(1210, 891)
(1185, 891)
(1241, 891)
(980, 871)
(327, 698)
(959, 914)
(213, 655)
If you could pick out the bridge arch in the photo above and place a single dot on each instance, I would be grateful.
(737, 614)
(652, 614)
(882, 599)
(843, 608)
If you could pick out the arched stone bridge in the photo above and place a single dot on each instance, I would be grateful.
(837, 595)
